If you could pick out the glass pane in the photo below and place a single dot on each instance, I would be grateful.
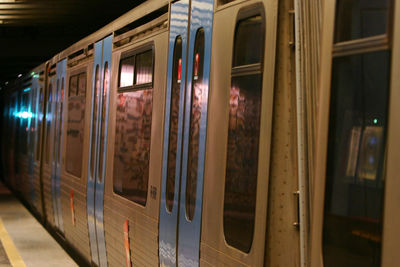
(132, 144)
(48, 121)
(173, 127)
(82, 84)
(60, 120)
(354, 191)
(242, 160)
(249, 44)
(94, 123)
(360, 18)
(195, 117)
(144, 67)
(75, 129)
(73, 85)
(39, 129)
(24, 124)
(126, 72)
(103, 121)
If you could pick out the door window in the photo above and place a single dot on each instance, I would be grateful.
(244, 133)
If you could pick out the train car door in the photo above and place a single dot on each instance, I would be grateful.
(58, 95)
(97, 150)
(185, 132)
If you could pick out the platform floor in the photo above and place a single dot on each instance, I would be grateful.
(23, 240)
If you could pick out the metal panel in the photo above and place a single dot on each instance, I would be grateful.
(189, 231)
(169, 220)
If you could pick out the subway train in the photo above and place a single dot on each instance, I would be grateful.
(217, 133)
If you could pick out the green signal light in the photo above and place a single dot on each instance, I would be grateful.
(375, 121)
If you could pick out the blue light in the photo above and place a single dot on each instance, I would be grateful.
(24, 115)
(27, 89)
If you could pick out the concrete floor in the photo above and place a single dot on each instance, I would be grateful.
(33, 243)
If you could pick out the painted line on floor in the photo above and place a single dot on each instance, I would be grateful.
(11, 251)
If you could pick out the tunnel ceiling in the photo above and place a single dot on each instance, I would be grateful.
(32, 31)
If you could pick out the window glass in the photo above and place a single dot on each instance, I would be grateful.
(103, 120)
(144, 67)
(24, 124)
(352, 230)
(195, 118)
(75, 128)
(94, 123)
(132, 144)
(360, 18)
(174, 118)
(126, 72)
(73, 85)
(82, 84)
(39, 123)
(243, 135)
(249, 38)
(59, 139)
(48, 121)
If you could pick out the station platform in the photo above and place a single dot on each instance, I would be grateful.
(23, 240)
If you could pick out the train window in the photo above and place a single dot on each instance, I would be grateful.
(361, 18)
(248, 46)
(243, 133)
(75, 127)
(60, 119)
(352, 229)
(133, 135)
(174, 118)
(24, 124)
(48, 121)
(81, 84)
(103, 120)
(73, 86)
(94, 122)
(126, 72)
(195, 117)
(39, 123)
(144, 67)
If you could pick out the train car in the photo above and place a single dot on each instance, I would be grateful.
(217, 133)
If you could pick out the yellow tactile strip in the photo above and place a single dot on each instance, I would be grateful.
(12, 252)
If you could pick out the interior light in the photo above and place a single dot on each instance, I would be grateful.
(19, 75)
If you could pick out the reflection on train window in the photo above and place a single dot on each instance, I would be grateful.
(73, 85)
(132, 144)
(48, 121)
(250, 51)
(360, 18)
(144, 67)
(126, 72)
(243, 134)
(352, 231)
(39, 124)
(103, 120)
(24, 125)
(174, 118)
(195, 118)
(75, 125)
(95, 99)
(60, 119)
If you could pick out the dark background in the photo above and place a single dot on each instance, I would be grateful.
(32, 31)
